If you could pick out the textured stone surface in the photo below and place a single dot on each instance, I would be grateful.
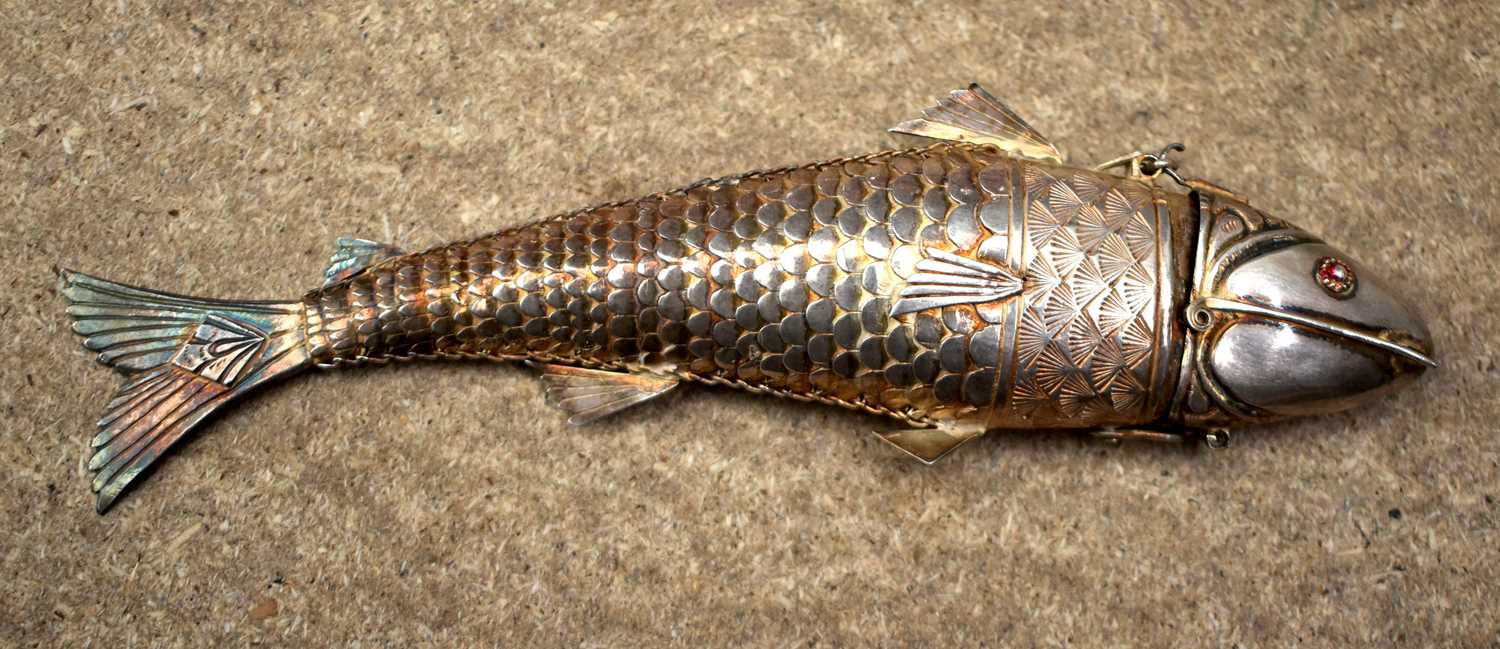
(220, 150)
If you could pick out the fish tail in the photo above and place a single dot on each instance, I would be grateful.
(183, 359)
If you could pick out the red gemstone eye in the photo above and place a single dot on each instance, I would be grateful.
(1335, 276)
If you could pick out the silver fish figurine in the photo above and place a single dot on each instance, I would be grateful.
(976, 284)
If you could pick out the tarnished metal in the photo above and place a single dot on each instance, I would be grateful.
(1268, 335)
(972, 285)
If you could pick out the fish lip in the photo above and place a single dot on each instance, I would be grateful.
(1406, 352)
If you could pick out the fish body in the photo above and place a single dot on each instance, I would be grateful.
(971, 285)
(807, 282)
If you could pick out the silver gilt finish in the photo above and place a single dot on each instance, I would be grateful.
(976, 283)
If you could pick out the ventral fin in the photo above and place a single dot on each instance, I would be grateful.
(350, 256)
(945, 279)
(975, 116)
(588, 395)
(930, 444)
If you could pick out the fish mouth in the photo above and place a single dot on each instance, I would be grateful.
(1409, 351)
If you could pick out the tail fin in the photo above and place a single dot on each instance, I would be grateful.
(183, 358)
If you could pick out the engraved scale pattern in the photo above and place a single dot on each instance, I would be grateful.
(1086, 346)
(782, 282)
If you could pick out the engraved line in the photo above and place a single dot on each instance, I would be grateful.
(1016, 240)
(135, 448)
(1220, 304)
(1165, 362)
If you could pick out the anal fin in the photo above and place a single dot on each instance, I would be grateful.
(930, 444)
(351, 256)
(588, 395)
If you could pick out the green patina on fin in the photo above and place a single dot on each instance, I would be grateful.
(183, 358)
(351, 256)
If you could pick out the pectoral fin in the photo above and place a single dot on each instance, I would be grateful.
(350, 256)
(587, 395)
(945, 279)
(930, 444)
(973, 115)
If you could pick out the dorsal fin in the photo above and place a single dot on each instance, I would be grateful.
(350, 256)
(975, 116)
(587, 395)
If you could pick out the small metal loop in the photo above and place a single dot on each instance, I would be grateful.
(1199, 316)
(1217, 438)
(1168, 149)
(1153, 164)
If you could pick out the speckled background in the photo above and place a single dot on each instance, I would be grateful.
(219, 150)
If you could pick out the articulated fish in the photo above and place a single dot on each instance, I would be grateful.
(976, 284)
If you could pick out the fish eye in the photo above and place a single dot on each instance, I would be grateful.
(1336, 277)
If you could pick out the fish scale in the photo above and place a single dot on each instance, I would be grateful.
(781, 281)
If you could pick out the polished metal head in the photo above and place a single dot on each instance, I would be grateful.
(1288, 325)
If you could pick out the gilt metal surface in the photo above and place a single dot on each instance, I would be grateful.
(786, 281)
(971, 285)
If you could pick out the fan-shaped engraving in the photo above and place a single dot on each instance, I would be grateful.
(1053, 367)
(221, 349)
(1084, 338)
(1137, 288)
(1041, 280)
(1141, 237)
(1127, 394)
(1114, 313)
(1088, 327)
(1087, 283)
(1074, 396)
(1031, 337)
(1135, 192)
(1064, 202)
(1114, 257)
(1060, 310)
(1042, 223)
(1066, 253)
(1091, 228)
(1036, 178)
(1107, 364)
(1029, 397)
(1088, 187)
(1136, 341)
(1118, 210)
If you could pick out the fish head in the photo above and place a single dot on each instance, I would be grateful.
(1289, 325)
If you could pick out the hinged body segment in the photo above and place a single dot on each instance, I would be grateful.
(945, 283)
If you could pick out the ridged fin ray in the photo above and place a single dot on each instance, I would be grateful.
(588, 394)
(352, 256)
(946, 279)
(974, 115)
(183, 357)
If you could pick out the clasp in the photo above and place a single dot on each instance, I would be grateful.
(1149, 166)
